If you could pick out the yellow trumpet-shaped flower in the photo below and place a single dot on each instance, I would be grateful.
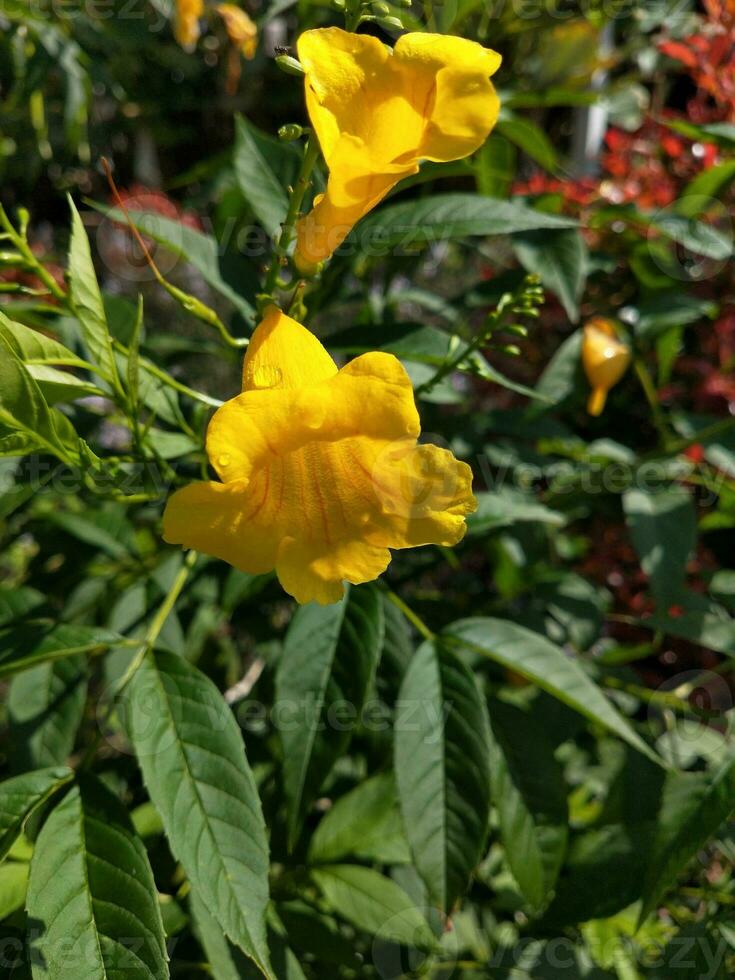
(188, 15)
(378, 112)
(321, 472)
(605, 360)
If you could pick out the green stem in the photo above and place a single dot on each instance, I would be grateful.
(410, 615)
(32, 260)
(170, 381)
(296, 199)
(649, 390)
(146, 646)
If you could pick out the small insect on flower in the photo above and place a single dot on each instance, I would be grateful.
(378, 112)
(321, 472)
(605, 360)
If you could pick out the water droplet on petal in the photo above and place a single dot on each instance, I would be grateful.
(267, 376)
(223, 460)
(364, 519)
(314, 416)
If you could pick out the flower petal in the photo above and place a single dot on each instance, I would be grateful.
(449, 82)
(221, 519)
(284, 354)
(309, 575)
(342, 69)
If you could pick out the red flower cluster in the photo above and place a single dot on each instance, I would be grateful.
(709, 58)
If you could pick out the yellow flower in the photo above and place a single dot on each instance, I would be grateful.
(605, 360)
(378, 112)
(240, 28)
(188, 15)
(321, 470)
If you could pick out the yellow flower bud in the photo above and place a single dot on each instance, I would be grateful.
(605, 360)
(241, 30)
(188, 14)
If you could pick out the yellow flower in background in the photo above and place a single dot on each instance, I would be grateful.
(188, 15)
(241, 30)
(321, 470)
(605, 360)
(378, 112)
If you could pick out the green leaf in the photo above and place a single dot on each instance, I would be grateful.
(443, 216)
(507, 507)
(663, 526)
(23, 409)
(698, 237)
(374, 904)
(87, 300)
(530, 797)
(190, 750)
(546, 665)
(28, 646)
(227, 961)
(560, 259)
(708, 184)
(256, 180)
(91, 894)
(660, 312)
(365, 823)
(17, 603)
(693, 807)
(45, 708)
(561, 375)
(698, 620)
(13, 887)
(61, 386)
(530, 138)
(329, 660)
(20, 796)
(195, 247)
(442, 749)
(34, 347)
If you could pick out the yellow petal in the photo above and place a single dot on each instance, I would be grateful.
(322, 478)
(451, 87)
(283, 354)
(226, 520)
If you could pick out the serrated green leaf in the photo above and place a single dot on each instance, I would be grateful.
(693, 807)
(530, 138)
(549, 667)
(329, 659)
(663, 526)
(91, 894)
(442, 765)
(560, 259)
(22, 647)
(256, 180)
(45, 708)
(442, 216)
(35, 347)
(530, 797)
(61, 386)
(199, 249)
(374, 904)
(190, 750)
(87, 300)
(21, 795)
(365, 823)
(13, 887)
(227, 961)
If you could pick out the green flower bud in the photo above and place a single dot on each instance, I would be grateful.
(290, 65)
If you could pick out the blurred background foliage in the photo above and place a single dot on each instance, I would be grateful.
(606, 542)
